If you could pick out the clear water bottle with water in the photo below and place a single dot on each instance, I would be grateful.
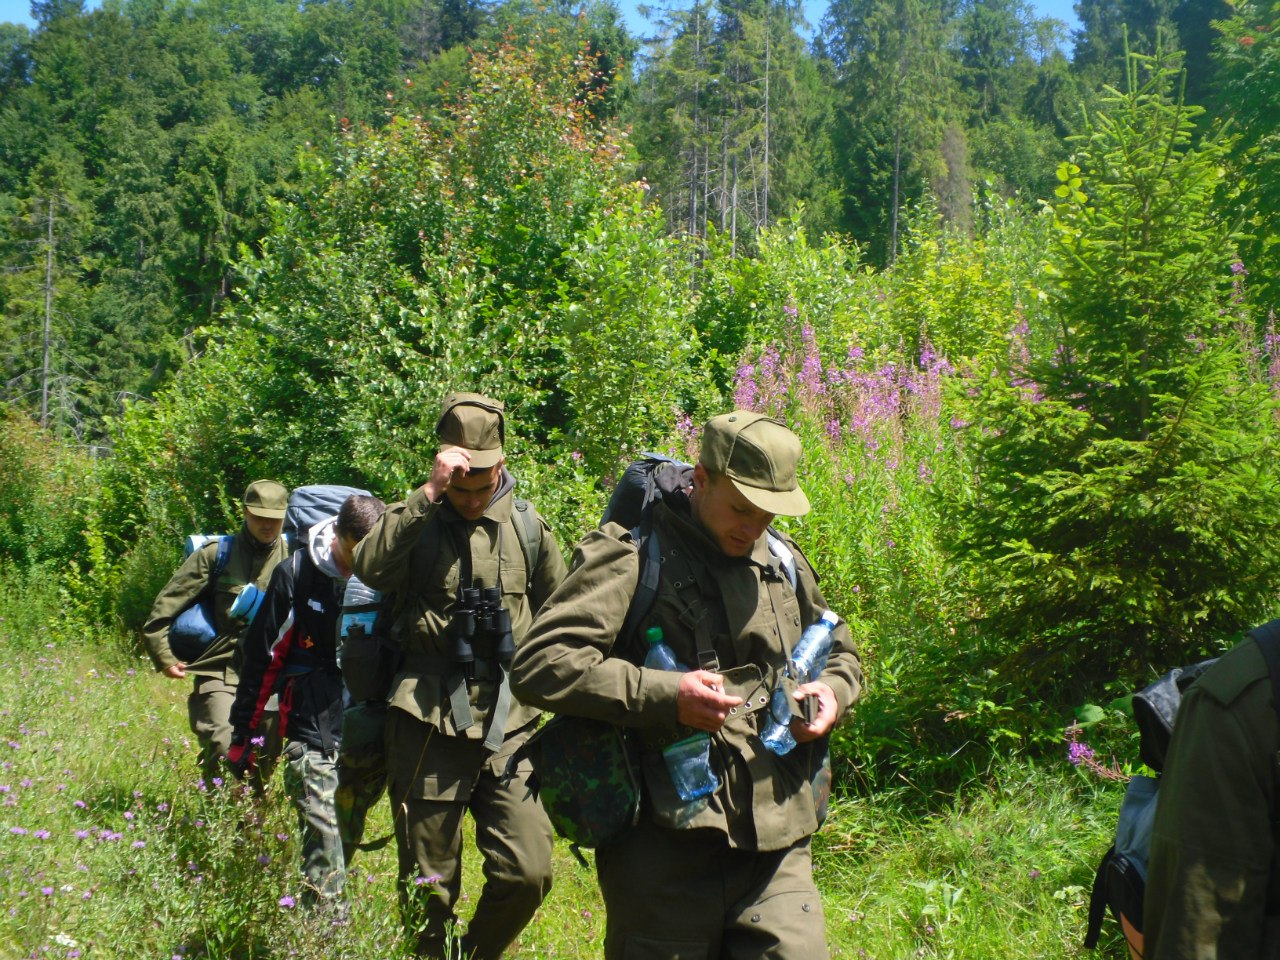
(808, 660)
(688, 760)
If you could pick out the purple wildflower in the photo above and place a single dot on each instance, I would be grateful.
(287, 902)
(1078, 753)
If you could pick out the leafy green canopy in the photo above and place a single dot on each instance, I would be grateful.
(495, 247)
(1125, 506)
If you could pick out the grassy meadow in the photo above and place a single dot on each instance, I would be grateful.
(109, 847)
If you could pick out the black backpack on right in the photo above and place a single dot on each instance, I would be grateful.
(1121, 880)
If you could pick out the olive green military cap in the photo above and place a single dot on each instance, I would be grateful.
(759, 454)
(266, 498)
(473, 422)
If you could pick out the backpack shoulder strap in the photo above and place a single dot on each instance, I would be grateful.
(529, 530)
(646, 592)
(786, 557)
(220, 560)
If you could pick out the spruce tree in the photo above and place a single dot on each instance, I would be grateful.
(1126, 506)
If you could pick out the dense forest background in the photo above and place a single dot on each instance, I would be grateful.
(142, 143)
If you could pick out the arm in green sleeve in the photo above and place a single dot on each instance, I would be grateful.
(551, 569)
(564, 665)
(382, 558)
(184, 586)
(1213, 841)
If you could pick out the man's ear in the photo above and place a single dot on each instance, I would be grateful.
(700, 477)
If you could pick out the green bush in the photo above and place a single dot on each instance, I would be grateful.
(1125, 503)
(44, 486)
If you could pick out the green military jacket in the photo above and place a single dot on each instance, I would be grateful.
(248, 563)
(1213, 887)
(752, 615)
(412, 553)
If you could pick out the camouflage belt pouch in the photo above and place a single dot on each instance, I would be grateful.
(587, 774)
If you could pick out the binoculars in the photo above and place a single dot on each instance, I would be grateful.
(481, 623)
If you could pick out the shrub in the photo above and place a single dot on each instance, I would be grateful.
(1125, 503)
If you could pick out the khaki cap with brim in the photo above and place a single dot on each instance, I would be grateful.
(266, 498)
(473, 422)
(759, 454)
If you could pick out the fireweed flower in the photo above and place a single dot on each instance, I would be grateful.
(1078, 753)
(287, 902)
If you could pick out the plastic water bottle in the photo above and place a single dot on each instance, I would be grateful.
(808, 660)
(688, 760)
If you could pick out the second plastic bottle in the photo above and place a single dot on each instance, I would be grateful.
(688, 760)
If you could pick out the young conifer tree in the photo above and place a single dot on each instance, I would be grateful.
(1126, 506)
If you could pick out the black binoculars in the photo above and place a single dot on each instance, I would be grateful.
(481, 623)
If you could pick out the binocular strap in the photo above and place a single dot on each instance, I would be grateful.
(463, 718)
(498, 715)
(460, 705)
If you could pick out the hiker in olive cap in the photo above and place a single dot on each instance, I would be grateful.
(469, 565)
(728, 875)
(254, 553)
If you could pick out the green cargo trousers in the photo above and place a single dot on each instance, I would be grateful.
(209, 714)
(687, 895)
(432, 780)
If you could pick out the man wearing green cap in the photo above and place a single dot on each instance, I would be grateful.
(728, 875)
(469, 565)
(254, 553)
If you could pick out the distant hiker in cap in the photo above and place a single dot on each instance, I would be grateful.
(254, 553)
(470, 565)
(727, 875)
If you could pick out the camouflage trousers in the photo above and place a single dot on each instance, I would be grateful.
(311, 779)
(361, 784)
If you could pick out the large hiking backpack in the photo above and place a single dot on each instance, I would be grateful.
(312, 504)
(1121, 881)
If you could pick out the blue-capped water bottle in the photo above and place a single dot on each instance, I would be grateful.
(688, 760)
(808, 660)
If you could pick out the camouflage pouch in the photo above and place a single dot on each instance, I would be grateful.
(587, 774)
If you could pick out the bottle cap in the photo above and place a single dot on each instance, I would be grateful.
(653, 636)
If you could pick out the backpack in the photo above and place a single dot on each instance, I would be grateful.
(367, 653)
(587, 772)
(313, 504)
(193, 629)
(1121, 880)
